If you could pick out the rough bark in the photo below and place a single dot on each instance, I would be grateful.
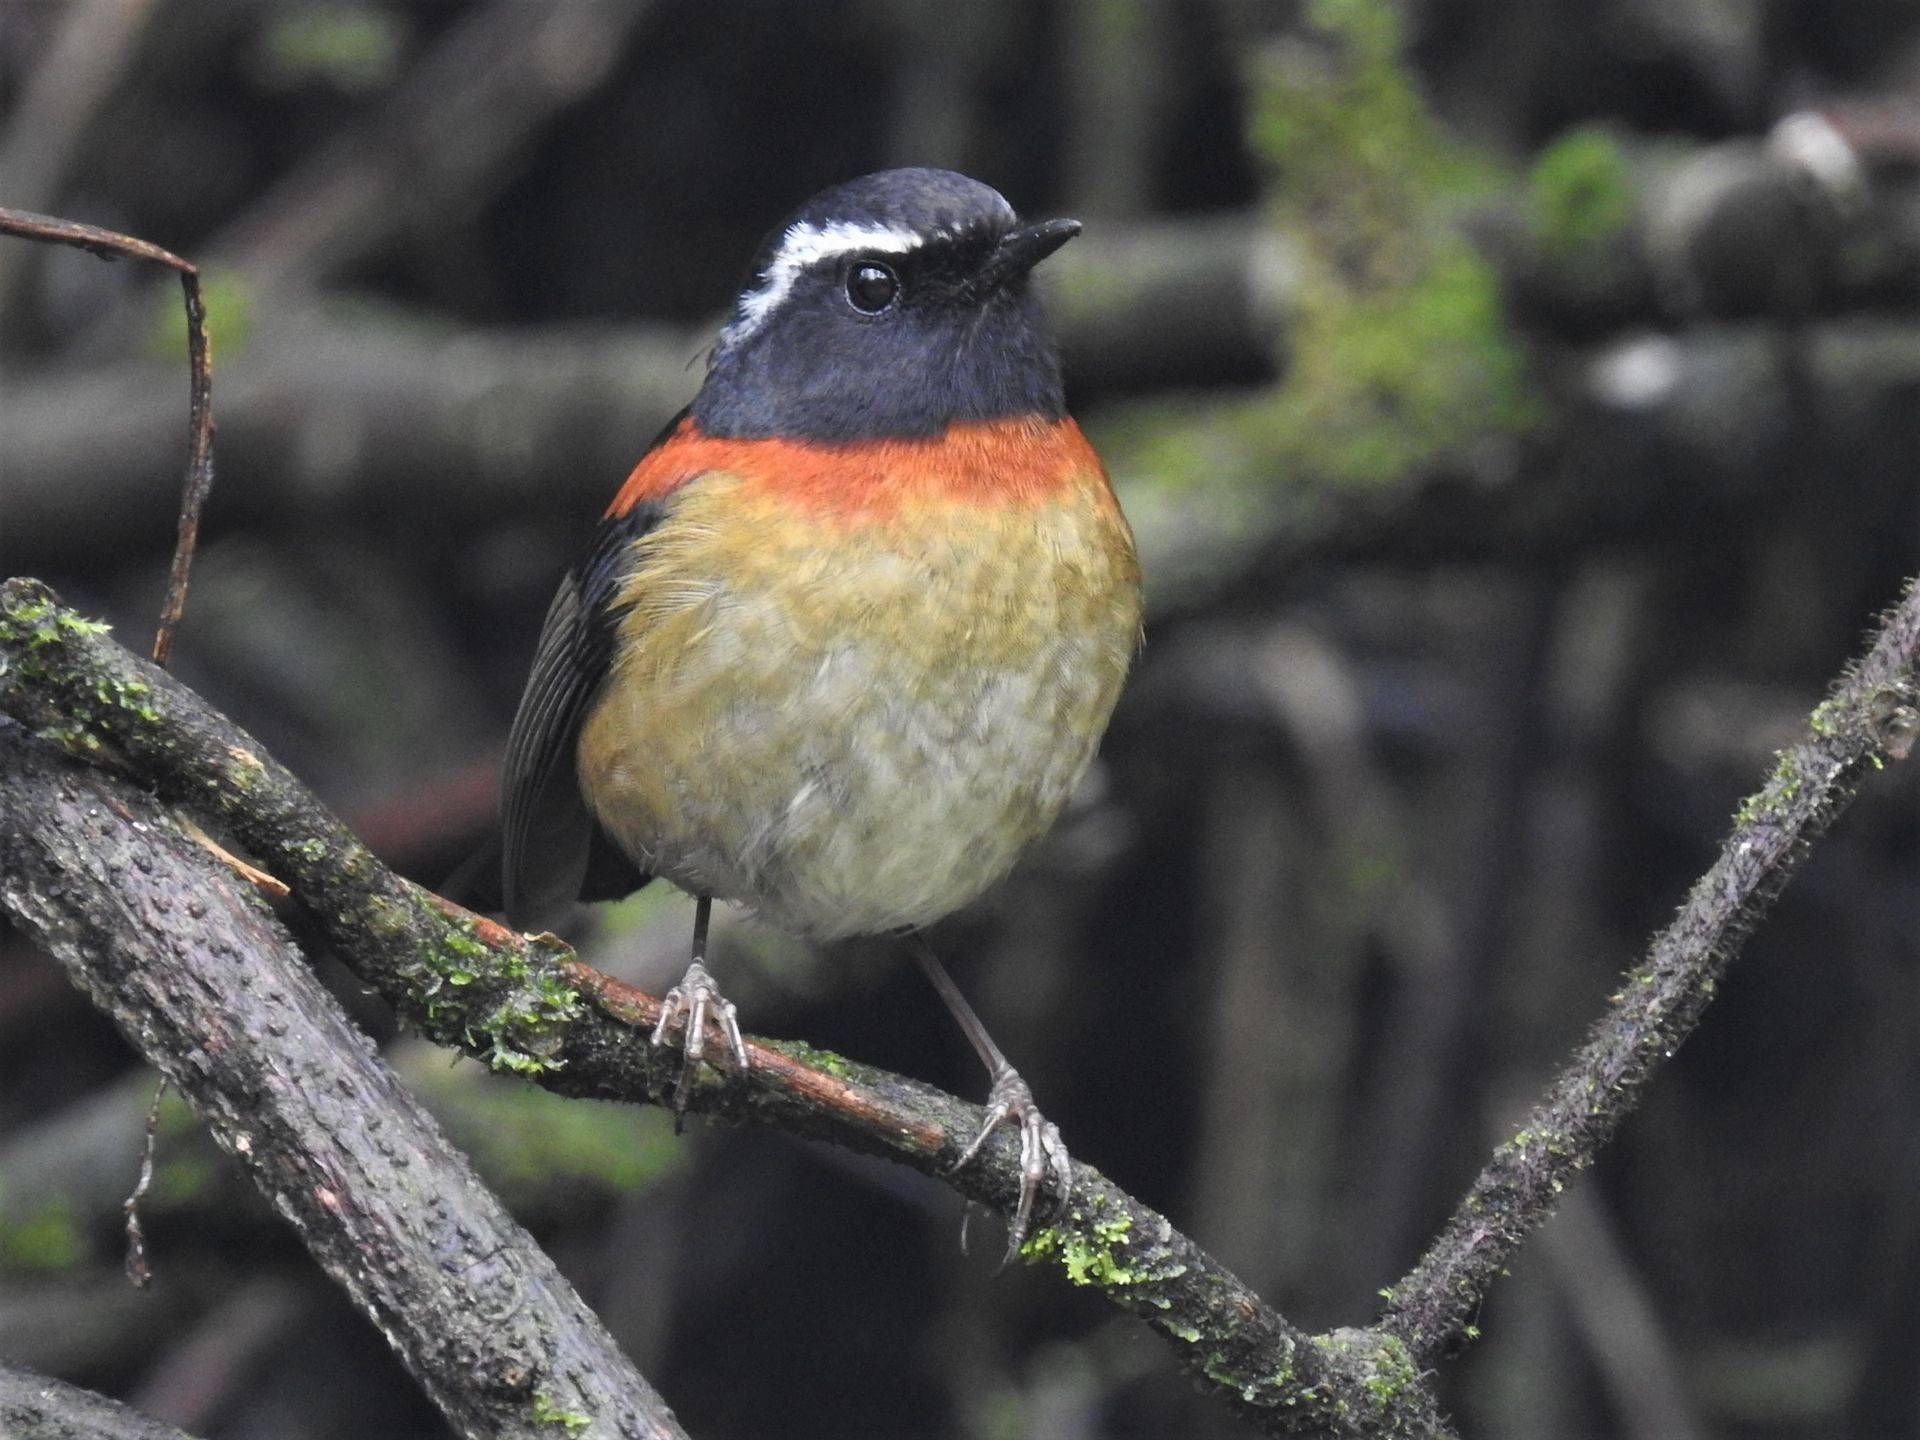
(204, 980)
(33, 1407)
(525, 1005)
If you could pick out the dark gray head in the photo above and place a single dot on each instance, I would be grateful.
(892, 305)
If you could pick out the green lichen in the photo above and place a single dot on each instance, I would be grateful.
(1827, 718)
(32, 628)
(547, 1412)
(496, 1003)
(1273, 1389)
(1781, 790)
(1399, 356)
(1085, 1249)
(1387, 1374)
(1580, 194)
(817, 1059)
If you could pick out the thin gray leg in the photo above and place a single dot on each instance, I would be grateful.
(1042, 1152)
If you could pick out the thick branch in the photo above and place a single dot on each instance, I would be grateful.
(526, 1005)
(1872, 714)
(32, 1405)
(209, 986)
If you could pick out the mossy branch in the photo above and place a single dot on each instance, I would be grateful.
(1871, 716)
(525, 1004)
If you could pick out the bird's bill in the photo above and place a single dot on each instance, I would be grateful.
(1020, 250)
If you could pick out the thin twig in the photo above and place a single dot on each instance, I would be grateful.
(138, 1270)
(110, 245)
(1871, 716)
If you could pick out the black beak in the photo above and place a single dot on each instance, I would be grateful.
(1020, 250)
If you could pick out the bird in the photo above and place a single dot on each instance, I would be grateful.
(848, 636)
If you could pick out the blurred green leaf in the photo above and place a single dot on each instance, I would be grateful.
(353, 48)
(229, 302)
(1579, 193)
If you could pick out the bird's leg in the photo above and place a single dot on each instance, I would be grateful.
(1042, 1153)
(689, 1003)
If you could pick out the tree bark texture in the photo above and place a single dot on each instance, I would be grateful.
(206, 982)
(32, 1407)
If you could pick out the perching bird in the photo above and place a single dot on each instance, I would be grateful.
(849, 634)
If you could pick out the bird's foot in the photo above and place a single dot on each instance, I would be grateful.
(1042, 1153)
(687, 1007)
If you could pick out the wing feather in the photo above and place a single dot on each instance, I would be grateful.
(552, 849)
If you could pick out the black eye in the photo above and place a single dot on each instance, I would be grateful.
(871, 287)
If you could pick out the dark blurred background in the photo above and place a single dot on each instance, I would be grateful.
(1518, 403)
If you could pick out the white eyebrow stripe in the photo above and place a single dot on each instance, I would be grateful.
(805, 245)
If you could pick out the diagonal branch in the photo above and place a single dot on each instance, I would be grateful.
(526, 1005)
(201, 977)
(1872, 715)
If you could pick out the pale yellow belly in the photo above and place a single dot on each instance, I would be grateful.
(859, 729)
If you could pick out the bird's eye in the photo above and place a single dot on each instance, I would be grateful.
(871, 287)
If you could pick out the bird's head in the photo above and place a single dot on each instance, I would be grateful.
(890, 306)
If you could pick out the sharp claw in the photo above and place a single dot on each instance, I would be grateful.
(997, 1115)
(730, 1024)
(686, 1007)
(1043, 1156)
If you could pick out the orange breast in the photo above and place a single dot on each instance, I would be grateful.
(1023, 461)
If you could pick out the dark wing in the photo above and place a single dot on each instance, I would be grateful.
(552, 849)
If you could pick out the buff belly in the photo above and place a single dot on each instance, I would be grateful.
(864, 722)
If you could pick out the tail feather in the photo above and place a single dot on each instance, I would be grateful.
(478, 882)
